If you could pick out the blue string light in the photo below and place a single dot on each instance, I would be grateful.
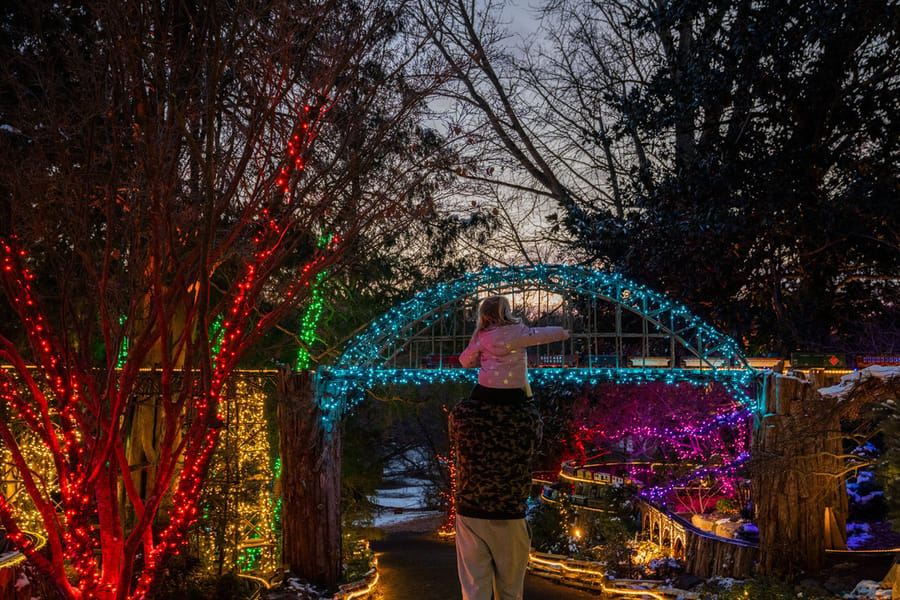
(400, 323)
(366, 362)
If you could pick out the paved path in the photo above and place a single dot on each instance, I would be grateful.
(419, 566)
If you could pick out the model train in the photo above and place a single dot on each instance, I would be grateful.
(798, 360)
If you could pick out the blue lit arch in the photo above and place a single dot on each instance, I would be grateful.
(380, 355)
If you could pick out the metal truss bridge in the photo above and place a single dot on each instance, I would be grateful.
(621, 331)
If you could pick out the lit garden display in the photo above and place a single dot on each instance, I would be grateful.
(371, 361)
(240, 502)
(38, 457)
(386, 334)
(675, 438)
(249, 532)
(341, 389)
(80, 412)
(370, 358)
(236, 530)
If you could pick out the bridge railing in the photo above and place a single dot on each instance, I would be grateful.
(706, 554)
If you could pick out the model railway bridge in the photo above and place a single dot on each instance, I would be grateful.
(621, 331)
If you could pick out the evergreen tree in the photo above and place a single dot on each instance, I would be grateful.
(772, 206)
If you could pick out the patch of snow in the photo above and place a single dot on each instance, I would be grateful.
(868, 590)
(865, 477)
(859, 527)
(388, 519)
(866, 481)
(397, 505)
(724, 583)
(865, 498)
(10, 129)
(748, 532)
(849, 381)
(670, 562)
(410, 497)
(296, 589)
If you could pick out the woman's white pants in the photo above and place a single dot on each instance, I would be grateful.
(491, 556)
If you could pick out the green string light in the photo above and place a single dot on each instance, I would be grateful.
(217, 334)
(310, 323)
(123, 351)
(276, 509)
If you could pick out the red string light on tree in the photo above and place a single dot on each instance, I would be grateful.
(233, 339)
(79, 419)
(309, 121)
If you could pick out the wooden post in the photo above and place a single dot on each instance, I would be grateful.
(797, 477)
(892, 579)
(310, 482)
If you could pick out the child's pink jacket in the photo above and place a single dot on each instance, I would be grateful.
(504, 362)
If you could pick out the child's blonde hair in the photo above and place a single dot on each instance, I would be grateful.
(495, 312)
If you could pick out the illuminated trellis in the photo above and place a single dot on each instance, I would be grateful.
(40, 460)
(241, 483)
(389, 351)
(252, 496)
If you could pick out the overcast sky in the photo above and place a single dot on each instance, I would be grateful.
(522, 17)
